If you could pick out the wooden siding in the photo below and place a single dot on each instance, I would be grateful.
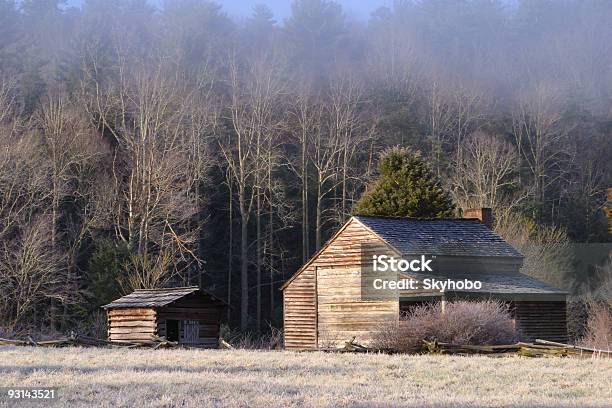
(299, 312)
(342, 314)
(321, 308)
(131, 325)
(545, 320)
(193, 308)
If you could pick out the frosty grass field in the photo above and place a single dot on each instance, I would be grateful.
(240, 378)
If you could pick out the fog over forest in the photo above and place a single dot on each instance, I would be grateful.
(147, 146)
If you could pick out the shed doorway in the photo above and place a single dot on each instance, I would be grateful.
(172, 330)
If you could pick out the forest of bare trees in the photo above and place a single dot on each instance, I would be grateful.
(142, 147)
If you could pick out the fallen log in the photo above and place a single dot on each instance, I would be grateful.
(224, 344)
(8, 342)
(449, 348)
(77, 340)
(355, 347)
(541, 348)
(570, 346)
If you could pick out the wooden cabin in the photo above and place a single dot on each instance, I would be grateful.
(188, 315)
(324, 304)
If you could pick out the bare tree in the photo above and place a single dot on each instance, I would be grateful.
(394, 61)
(147, 114)
(440, 120)
(326, 148)
(31, 273)
(254, 94)
(73, 149)
(346, 122)
(330, 130)
(468, 105)
(32, 269)
(265, 97)
(540, 138)
(546, 248)
(305, 117)
(487, 175)
(68, 141)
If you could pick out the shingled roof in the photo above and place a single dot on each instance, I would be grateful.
(443, 237)
(153, 297)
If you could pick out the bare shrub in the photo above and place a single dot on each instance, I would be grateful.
(461, 322)
(271, 340)
(95, 325)
(577, 317)
(599, 325)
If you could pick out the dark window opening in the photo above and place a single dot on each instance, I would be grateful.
(172, 330)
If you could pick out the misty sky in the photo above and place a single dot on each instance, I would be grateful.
(360, 9)
(282, 8)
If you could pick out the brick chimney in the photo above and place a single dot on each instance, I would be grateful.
(485, 215)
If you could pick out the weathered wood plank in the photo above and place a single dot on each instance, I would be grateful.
(131, 330)
(129, 319)
(300, 312)
(132, 324)
(131, 336)
(131, 312)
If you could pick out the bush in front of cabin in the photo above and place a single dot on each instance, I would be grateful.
(461, 322)
(599, 325)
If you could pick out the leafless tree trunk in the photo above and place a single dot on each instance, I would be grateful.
(304, 114)
(540, 139)
(440, 122)
(326, 150)
(468, 115)
(230, 250)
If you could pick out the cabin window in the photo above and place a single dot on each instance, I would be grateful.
(172, 330)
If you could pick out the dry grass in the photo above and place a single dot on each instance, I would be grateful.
(241, 378)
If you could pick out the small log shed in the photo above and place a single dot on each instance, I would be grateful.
(187, 315)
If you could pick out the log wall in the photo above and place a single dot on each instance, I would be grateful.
(300, 312)
(131, 325)
(322, 304)
(545, 320)
(342, 314)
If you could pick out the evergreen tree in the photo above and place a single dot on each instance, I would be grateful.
(406, 187)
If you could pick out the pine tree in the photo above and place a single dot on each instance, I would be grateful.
(406, 187)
